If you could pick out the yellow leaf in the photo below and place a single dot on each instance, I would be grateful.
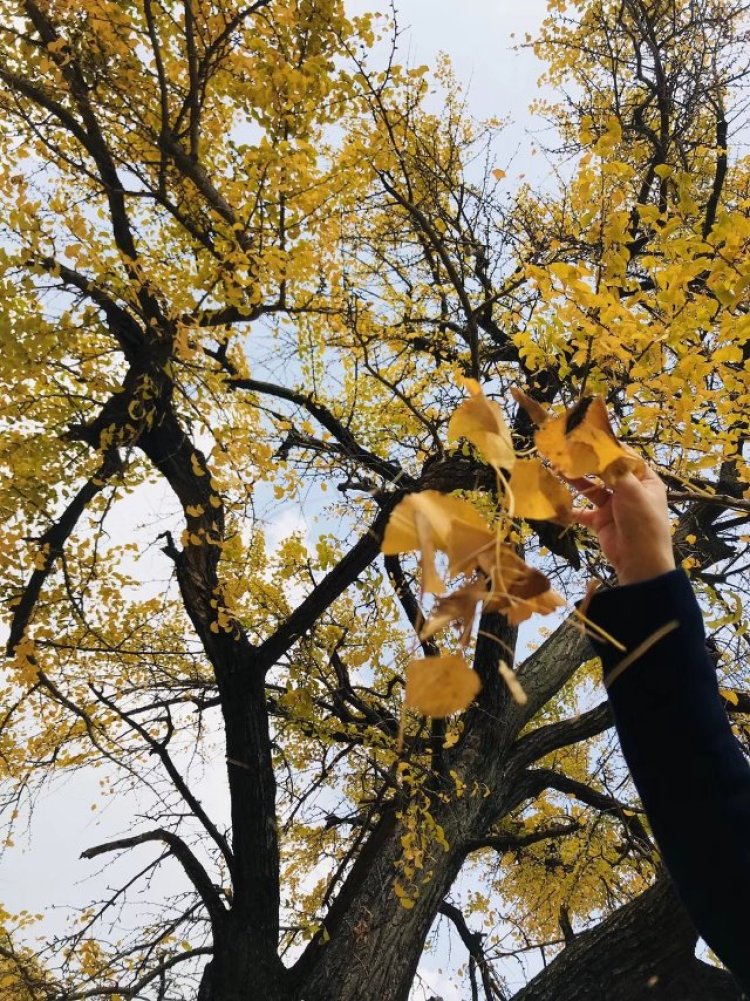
(460, 606)
(468, 546)
(517, 590)
(536, 493)
(729, 696)
(439, 686)
(194, 510)
(481, 422)
(535, 410)
(498, 174)
(581, 442)
(514, 685)
(426, 521)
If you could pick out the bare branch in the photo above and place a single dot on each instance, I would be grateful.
(193, 868)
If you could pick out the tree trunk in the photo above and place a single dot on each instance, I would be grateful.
(237, 972)
(379, 942)
(645, 950)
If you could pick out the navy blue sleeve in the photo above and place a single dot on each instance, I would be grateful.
(691, 775)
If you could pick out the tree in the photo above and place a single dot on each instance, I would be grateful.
(240, 265)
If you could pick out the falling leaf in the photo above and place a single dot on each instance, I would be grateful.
(535, 410)
(481, 422)
(538, 494)
(517, 590)
(439, 686)
(459, 606)
(432, 582)
(468, 546)
(514, 685)
(439, 510)
(426, 522)
(498, 174)
(581, 442)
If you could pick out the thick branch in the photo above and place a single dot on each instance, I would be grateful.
(125, 329)
(346, 571)
(545, 739)
(551, 665)
(51, 546)
(391, 471)
(646, 949)
(193, 868)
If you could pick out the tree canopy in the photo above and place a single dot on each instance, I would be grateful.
(247, 262)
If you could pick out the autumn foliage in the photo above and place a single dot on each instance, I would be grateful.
(295, 372)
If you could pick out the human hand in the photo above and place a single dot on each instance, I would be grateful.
(631, 522)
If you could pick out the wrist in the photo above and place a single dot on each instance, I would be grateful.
(655, 566)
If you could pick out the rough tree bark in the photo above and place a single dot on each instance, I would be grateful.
(644, 950)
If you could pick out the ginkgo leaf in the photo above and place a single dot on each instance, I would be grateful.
(581, 442)
(460, 606)
(481, 422)
(425, 521)
(468, 546)
(439, 512)
(535, 410)
(514, 685)
(517, 590)
(538, 494)
(432, 582)
(439, 686)
(730, 696)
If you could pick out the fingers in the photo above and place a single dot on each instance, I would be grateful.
(594, 492)
(585, 516)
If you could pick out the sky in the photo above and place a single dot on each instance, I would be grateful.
(43, 872)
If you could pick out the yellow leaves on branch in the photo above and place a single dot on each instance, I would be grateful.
(578, 443)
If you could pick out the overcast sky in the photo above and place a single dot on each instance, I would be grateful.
(46, 870)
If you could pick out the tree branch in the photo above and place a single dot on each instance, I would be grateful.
(193, 868)
(540, 779)
(51, 545)
(509, 842)
(545, 739)
(328, 590)
(473, 942)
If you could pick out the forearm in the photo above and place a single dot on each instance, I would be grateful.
(686, 764)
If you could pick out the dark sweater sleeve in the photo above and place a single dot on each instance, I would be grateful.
(691, 775)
